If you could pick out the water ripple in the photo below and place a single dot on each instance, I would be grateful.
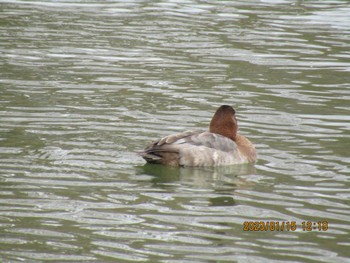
(86, 84)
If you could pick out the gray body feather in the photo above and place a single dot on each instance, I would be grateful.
(194, 148)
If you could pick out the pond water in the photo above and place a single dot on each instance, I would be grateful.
(84, 85)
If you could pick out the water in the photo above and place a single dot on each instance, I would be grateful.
(86, 84)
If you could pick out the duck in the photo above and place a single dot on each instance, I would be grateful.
(221, 145)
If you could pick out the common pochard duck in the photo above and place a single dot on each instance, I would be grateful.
(221, 145)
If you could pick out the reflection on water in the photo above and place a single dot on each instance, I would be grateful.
(85, 85)
(218, 178)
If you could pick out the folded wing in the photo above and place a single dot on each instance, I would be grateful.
(193, 148)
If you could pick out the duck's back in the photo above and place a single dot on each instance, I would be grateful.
(194, 148)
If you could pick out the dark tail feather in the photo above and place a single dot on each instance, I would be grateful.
(151, 157)
(161, 157)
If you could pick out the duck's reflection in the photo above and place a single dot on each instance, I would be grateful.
(223, 179)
